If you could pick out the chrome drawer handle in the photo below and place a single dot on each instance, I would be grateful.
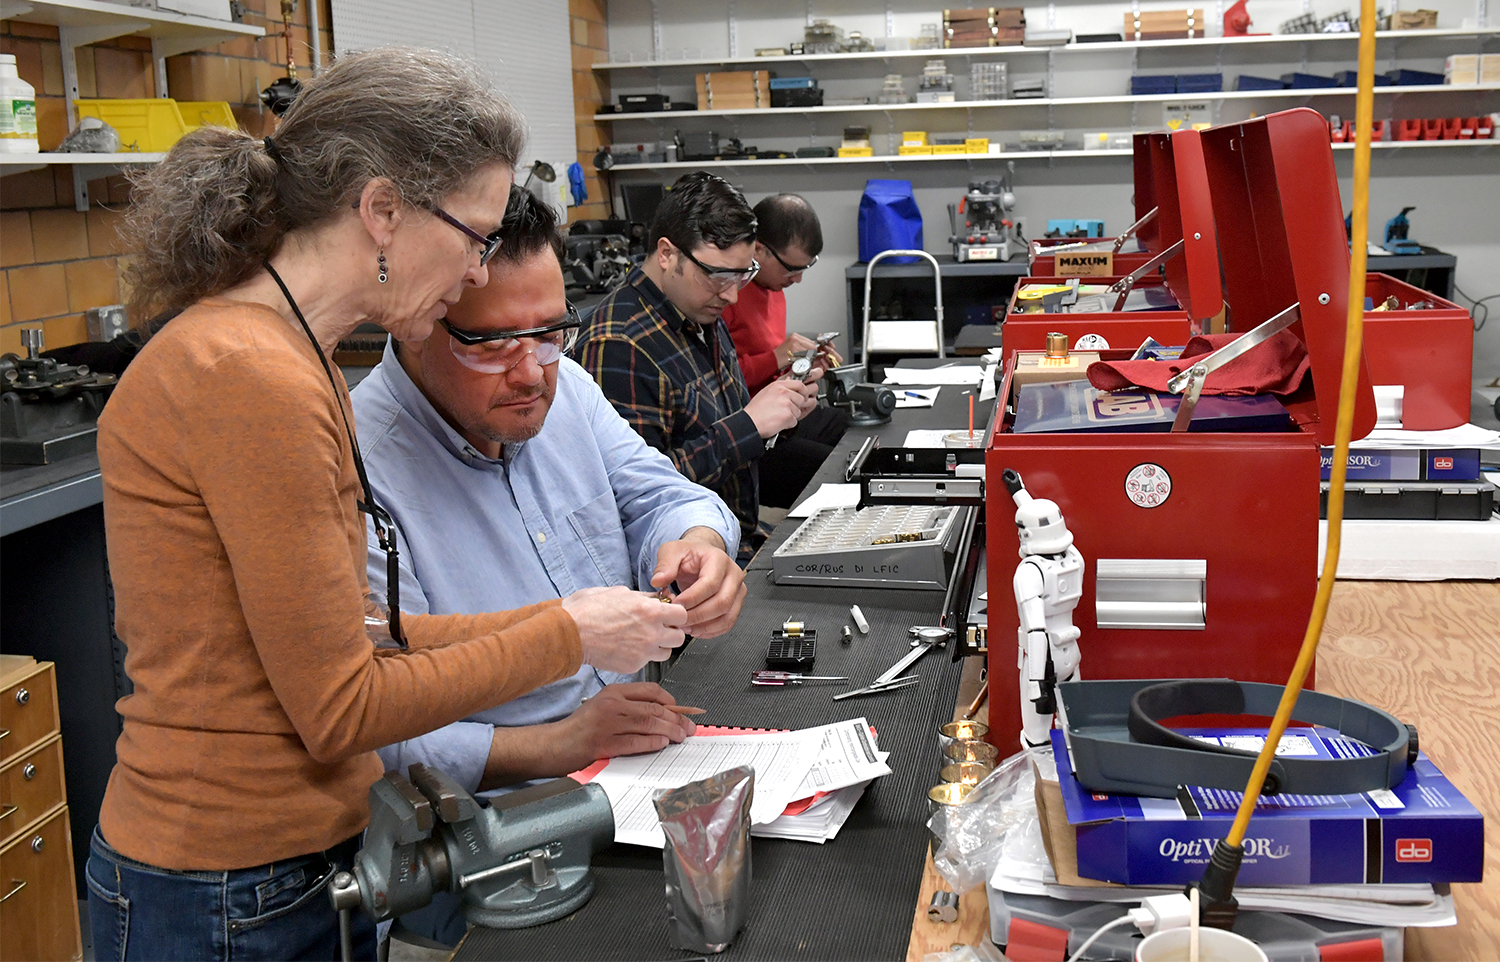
(22, 696)
(28, 771)
(9, 810)
(20, 883)
(4, 732)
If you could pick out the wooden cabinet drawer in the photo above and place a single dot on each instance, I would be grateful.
(28, 711)
(30, 786)
(38, 903)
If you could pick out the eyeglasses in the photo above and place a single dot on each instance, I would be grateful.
(500, 351)
(723, 278)
(791, 269)
(487, 245)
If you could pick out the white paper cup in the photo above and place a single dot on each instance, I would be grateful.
(1214, 945)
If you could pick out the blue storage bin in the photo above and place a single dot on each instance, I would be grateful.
(1413, 78)
(1350, 78)
(792, 83)
(1199, 83)
(1248, 82)
(1153, 85)
(1301, 81)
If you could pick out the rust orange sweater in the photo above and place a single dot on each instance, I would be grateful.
(238, 560)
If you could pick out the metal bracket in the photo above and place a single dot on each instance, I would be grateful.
(1130, 231)
(1124, 284)
(1189, 383)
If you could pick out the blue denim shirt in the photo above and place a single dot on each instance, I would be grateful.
(586, 503)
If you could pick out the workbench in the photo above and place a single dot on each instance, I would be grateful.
(852, 897)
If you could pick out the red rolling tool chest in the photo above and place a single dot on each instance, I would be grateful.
(1214, 574)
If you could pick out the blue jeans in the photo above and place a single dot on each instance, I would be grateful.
(275, 911)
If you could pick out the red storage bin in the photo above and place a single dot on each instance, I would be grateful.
(1432, 128)
(1452, 127)
(1430, 352)
(1408, 129)
(1243, 507)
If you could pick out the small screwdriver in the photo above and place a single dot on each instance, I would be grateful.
(767, 677)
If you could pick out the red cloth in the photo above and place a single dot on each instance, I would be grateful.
(757, 325)
(1275, 367)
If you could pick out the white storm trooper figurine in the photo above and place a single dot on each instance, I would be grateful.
(1048, 583)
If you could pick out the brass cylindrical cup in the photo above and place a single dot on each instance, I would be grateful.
(1057, 344)
(938, 796)
(972, 750)
(955, 730)
(966, 773)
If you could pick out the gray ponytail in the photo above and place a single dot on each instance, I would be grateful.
(202, 220)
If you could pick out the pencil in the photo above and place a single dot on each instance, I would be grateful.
(687, 710)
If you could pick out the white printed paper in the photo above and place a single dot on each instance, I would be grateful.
(829, 495)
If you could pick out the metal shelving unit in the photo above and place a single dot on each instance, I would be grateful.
(83, 22)
(1071, 48)
(891, 160)
(1306, 93)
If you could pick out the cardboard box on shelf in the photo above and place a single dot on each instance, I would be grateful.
(1164, 24)
(734, 90)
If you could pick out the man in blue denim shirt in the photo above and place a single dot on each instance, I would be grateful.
(512, 480)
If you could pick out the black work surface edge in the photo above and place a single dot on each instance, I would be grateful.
(853, 897)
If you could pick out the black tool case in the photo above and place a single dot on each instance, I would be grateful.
(1415, 501)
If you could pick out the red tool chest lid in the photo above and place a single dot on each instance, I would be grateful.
(1185, 214)
(1275, 199)
(1145, 191)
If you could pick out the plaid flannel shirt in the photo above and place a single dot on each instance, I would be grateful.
(681, 388)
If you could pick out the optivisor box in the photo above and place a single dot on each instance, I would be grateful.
(1423, 830)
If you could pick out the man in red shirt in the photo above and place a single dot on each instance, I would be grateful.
(788, 241)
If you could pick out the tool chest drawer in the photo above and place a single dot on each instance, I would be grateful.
(28, 709)
(31, 785)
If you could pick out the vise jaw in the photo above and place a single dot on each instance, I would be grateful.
(521, 860)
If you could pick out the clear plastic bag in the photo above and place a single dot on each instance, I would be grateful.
(972, 835)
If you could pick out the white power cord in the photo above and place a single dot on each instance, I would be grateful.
(1122, 920)
(1156, 914)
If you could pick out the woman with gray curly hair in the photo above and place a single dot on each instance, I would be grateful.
(235, 507)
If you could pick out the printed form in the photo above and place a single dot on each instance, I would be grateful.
(788, 766)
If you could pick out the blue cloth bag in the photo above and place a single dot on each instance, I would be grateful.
(889, 220)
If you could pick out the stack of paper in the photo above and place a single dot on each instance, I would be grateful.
(818, 822)
(790, 768)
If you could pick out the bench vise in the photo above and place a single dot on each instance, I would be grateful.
(521, 860)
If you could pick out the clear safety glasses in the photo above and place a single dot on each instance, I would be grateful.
(724, 278)
(500, 351)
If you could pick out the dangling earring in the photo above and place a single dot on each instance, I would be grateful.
(381, 260)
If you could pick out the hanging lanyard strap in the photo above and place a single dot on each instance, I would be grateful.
(385, 527)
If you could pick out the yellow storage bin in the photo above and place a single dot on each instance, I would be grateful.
(200, 113)
(856, 152)
(151, 125)
(905, 151)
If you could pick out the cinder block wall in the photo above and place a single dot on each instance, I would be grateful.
(590, 46)
(56, 262)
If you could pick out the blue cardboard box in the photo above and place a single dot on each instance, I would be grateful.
(1423, 830)
(1406, 464)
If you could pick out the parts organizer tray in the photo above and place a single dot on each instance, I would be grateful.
(892, 545)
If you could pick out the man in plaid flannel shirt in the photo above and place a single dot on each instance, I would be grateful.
(663, 357)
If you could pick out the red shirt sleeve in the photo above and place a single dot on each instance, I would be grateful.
(757, 325)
